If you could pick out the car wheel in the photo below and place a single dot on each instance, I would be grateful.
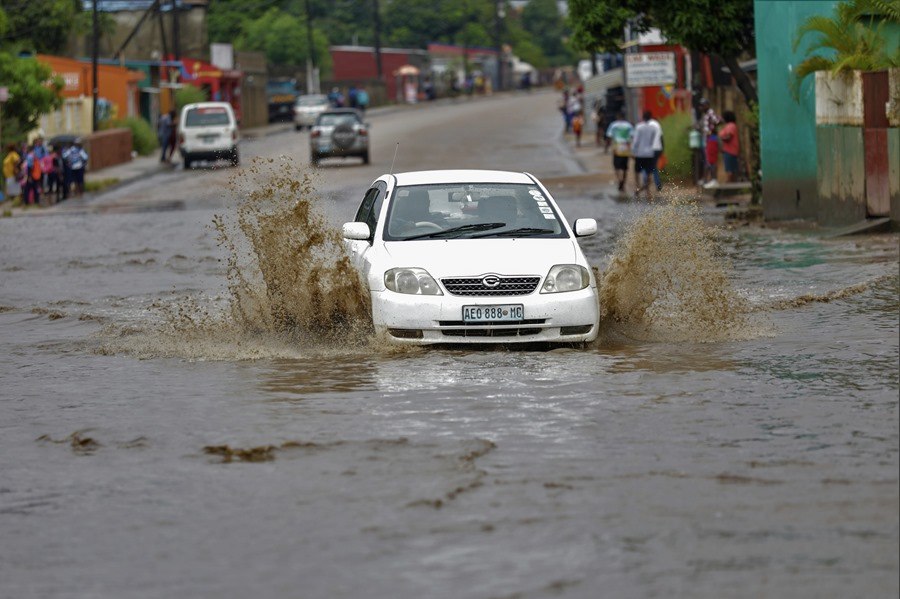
(187, 162)
(314, 159)
(298, 127)
(365, 157)
(235, 157)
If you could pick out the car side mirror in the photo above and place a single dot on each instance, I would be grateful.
(359, 231)
(585, 227)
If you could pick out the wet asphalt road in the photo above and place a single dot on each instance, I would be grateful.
(759, 467)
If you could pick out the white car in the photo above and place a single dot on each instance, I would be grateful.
(472, 256)
(208, 131)
(307, 108)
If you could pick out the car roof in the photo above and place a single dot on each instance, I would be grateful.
(209, 105)
(461, 176)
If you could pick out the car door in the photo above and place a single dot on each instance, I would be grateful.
(368, 212)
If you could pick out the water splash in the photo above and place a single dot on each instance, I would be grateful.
(667, 281)
(291, 290)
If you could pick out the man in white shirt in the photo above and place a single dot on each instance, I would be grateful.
(643, 146)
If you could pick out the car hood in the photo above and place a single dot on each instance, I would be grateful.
(473, 257)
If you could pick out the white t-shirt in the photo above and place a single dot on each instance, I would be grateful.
(657, 143)
(645, 137)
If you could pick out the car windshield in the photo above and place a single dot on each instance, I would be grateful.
(205, 117)
(334, 119)
(312, 101)
(470, 211)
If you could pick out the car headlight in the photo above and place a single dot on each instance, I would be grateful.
(412, 281)
(566, 277)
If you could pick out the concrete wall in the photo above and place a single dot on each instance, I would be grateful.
(894, 175)
(254, 105)
(787, 128)
(842, 175)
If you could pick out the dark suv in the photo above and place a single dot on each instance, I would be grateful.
(339, 132)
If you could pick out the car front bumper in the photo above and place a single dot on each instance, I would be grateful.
(570, 317)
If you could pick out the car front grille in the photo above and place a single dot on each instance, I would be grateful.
(475, 286)
(516, 332)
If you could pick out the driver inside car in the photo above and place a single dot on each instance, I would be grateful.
(413, 209)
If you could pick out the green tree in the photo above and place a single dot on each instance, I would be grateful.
(851, 38)
(32, 93)
(41, 26)
(542, 19)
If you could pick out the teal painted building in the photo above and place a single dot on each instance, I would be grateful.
(788, 152)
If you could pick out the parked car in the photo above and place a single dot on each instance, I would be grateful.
(472, 256)
(308, 108)
(208, 131)
(339, 132)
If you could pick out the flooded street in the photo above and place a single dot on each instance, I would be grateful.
(149, 451)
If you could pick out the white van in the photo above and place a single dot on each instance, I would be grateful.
(208, 131)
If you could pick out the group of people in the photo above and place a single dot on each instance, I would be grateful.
(644, 143)
(35, 170)
(357, 98)
(708, 123)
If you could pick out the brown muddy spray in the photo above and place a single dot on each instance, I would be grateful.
(666, 281)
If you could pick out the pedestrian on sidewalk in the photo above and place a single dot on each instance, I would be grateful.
(31, 192)
(619, 133)
(577, 126)
(563, 106)
(48, 168)
(362, 99)
(731, 145)
(708, 124)
(12, 168)
(66, 171)
(600, 121)
(643, 147)
(76, 159)
(164, 129)
(658, 148)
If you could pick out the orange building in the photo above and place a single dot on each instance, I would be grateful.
(116, 85)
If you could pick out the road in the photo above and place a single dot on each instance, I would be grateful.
(153, 444)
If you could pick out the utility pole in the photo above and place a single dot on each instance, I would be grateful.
(312, 81)
(376, 14)
(95, 56)
(176, 31)
(498, 25)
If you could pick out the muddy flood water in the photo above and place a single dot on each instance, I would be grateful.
(192, 407)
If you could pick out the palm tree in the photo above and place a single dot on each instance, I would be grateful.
(854, 34)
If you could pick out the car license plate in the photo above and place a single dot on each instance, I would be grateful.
(209, 138)
(324, 148)
(497, 313)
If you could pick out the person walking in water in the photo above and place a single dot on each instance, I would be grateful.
(619, 132)
(645, 139)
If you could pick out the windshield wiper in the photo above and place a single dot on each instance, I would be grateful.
(520, 232)
(459, 230)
